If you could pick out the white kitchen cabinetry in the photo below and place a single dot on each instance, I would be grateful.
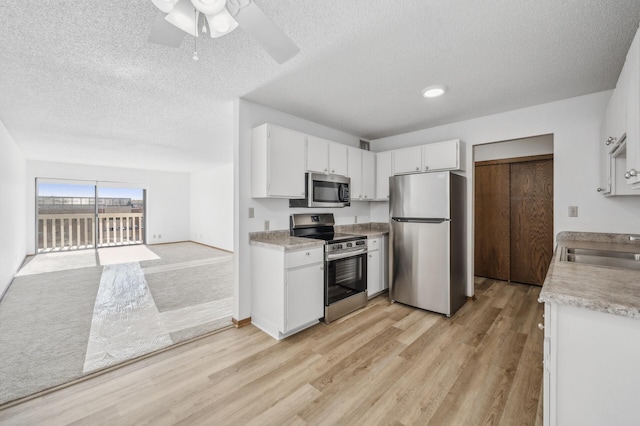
(591, 367)
(383, 172)
(447, 155)
(277, 162)
(631, 77)
(324, 156)
(377, 280)
(361, 170)
(407, 160)
(441, 156)
(287, 289)
(338, 159)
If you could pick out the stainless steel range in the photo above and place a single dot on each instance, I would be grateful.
(345, 255)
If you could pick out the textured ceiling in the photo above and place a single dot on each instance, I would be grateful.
(80, 83)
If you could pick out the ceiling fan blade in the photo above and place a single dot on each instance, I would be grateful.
(164, 33)
(254, 22)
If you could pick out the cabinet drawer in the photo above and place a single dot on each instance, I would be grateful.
(374, 243)
(304, 257)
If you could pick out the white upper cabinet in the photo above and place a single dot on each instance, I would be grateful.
(441, 156)
(368, 175)
(407, 160)
(338, 159)
(277, 162)
(324, 156)
(317, 154)
(632, 117)
(383, 172)
(361, 170)
(354, 171)
(448, 155)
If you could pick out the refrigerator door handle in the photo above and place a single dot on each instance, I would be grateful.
(420, 220)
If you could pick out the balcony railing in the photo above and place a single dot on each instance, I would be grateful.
(58, 232)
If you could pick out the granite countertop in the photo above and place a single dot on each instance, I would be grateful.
(281, 239)
(599, 288)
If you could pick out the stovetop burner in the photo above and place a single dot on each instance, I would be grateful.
(320, 227)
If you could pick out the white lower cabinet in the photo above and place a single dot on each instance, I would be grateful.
(376, 266)
(287, 289)
(591, 368)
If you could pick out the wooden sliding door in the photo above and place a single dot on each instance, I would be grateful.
(514, 218)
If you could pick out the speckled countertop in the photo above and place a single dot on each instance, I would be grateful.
(281, 239)
(599, 288)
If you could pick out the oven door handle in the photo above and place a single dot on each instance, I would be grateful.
(345, 255)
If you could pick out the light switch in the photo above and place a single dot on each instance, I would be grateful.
(573, 211)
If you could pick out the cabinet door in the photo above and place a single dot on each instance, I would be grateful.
(605, 159)
(633, 112)
(355, 172)
(383, 172)
(368, 175)
(317, 154)
(304, 296)
(285, 160)
(407, 160)
(374, 281)
(338, 159)
(440, 156)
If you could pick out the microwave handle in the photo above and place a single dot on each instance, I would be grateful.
(341, 193)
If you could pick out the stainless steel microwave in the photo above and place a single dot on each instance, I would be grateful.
(324, 191)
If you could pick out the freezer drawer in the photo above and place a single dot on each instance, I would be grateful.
(420, 265)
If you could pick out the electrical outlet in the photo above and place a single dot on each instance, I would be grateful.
(154, 235)
(251, 213)
(159, 236)
(266, 225)
(573, 211)
(355, 219)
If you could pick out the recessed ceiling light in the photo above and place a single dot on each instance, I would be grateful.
(434, 91)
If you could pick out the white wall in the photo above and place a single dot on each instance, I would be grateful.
(247, 116)
(12, 212)
(167, 196)
(526, 147)
(575, 125)
(211, 208)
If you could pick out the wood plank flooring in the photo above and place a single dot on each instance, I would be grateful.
(385, 364)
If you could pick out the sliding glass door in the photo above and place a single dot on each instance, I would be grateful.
(73, 215)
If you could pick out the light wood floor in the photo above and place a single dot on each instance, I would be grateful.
(385, 364)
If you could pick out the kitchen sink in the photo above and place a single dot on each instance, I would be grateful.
(611, 258)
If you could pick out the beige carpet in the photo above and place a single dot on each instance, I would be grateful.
(125, 254)
(57, 326)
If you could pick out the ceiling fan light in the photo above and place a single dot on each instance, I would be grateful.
(164, 5)
(221, 23)
(209, 7)
(183, 17)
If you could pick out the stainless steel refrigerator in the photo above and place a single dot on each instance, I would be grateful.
(428, 267)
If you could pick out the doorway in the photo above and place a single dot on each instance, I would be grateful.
(514, 218)
(75, 215)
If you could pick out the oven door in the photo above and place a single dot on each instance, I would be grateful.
(345, 276)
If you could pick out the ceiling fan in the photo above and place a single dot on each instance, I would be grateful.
(217, 18)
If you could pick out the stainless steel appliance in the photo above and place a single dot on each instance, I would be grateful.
(345, 272)
(427, 241)
(324, 191)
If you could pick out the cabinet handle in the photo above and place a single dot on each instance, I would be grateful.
(333, 171)
(599, 189)
(322, 267)
(541, 326)
(325, 169)
(365, 196)
(630, 173)
(418, 168)
(370, 255)
(387, 196)
(426, 167)
(610, 140)
(302, 193)
(308, 253)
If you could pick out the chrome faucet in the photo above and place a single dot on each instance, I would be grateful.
(634, 237)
